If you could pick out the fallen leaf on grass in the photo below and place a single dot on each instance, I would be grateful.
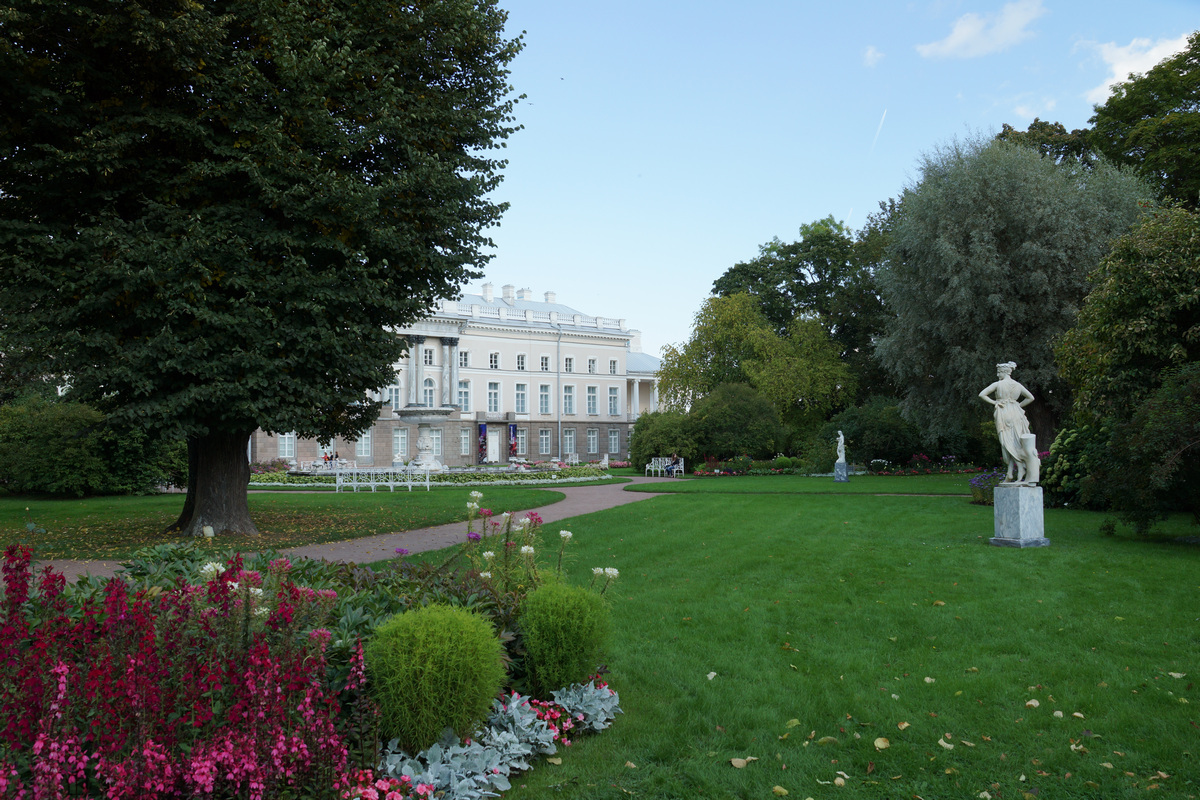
(839, 781)
(1078, 715)
(779, 790)
(1032, 704)
(740, 763)
(972, 669)
(945, 744)
(930, 680)
(631, 765)
(712, 675)
(1177, 674)
(827, 740)
(791, 723)
(903, 725)
(1106, 765)
(882, 743)
(555, 761)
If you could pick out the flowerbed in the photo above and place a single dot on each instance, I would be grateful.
(578, 474)
(186, 677)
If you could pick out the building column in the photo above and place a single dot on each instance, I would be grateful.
(654, 396)
(637, 400)
(417, 374)
(453, 342)
(447, 392)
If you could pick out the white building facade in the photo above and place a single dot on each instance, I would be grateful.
(528, 380)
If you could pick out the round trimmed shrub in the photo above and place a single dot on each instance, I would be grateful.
(782, 462)
(565, 628)
(433, 668)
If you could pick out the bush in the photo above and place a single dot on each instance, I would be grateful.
(782, 462)
(661, 433)
(430, 669)
(64, 448)
(734, 420)
(565, 628)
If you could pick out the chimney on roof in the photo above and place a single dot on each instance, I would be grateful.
(487, 292)
(509, 292)
(551, 297)
(524, 294)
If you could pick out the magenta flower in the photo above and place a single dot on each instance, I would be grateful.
(401, 551)
(474, 537)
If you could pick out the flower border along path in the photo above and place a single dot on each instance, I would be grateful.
(577, 500)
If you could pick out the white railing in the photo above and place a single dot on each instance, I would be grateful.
(661, 466)
(391, 477)
(321, 465)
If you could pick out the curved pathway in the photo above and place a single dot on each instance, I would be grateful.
(578, 500)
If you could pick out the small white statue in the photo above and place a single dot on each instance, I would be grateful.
(841, 448)
(1017, 444)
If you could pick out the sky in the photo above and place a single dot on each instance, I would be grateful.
(664, 141)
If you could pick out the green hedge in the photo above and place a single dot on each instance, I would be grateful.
(565, 475)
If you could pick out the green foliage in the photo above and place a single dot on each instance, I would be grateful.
(875, 430)
(735, 420)
(1141, 317)
(782, 462)
(565, 629)
(1052, 140)
(1076, 453)
(1152, 123)
(65, 448)
(430, 669)
(659, 434)
(987, 263)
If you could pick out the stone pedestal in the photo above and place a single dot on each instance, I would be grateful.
(1019, 521)
(839, 473)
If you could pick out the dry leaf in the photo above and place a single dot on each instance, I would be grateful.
(972, 669)
(882, 743)
(839, 781)
(1078, 715)
(631, 765)
(741, 763)
(945, 744)
(779, 790)
(1177, 674)
(827, 740)
(968, 744)
(1058, 714)
(1032, 704)
(929, 680)
(1106, 765)
(556, 761)
(791, 723)
(712, 675)
(938, 603)
(903, 725)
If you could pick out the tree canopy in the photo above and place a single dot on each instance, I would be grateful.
(212, 214)
(987, 262)
(1152, 123)
(1053, 141)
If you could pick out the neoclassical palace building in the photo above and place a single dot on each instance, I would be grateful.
(527, 379)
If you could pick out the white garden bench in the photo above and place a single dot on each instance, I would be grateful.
(391, 477)
(658, 466)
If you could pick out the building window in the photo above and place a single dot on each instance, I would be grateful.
(569, 364)
(435, 436)
(287, 445)
(363, 448)
(464, 442)
(429, 356)
(399, 443)
(612, 366)
(614, 441)
(429, 393)
(593, 440)
(544, 399)
(493, 397)
(568, 399)
(394, 397)
(592, 400)
(493, 361)
(521, 406)
(591, 366)
(568, 441)
(544, 441)
(613, 394)
(464, 395)
(520, 362)
(522, 441)
(464, 358)
(545, 363)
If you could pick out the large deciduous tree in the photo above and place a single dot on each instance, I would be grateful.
(211, 213)
(1152, 123)
(988, 262)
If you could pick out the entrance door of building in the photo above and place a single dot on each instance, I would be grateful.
(493, 444)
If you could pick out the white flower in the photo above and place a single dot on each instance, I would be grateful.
(565, 534)
(488, 555)
(597, 570)
(210, 570)
(526, 550)
(472, 506)
(477, 496)
(233, 586)
(611, 572)
(261, 611)
(504, 516)
(522, 523)
(255, 592)
(485, 575)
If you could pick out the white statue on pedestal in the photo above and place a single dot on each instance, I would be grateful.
(841, 448)
(1017, 444)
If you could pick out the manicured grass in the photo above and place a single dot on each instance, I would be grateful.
(114, 527)
(793, 484)
(831, 621)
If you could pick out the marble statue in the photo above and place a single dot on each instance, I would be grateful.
(841, 448)
(1017, 444)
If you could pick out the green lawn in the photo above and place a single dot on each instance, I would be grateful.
(114, 527)
(804, 484)
(830, 621)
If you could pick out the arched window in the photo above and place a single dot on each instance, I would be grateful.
(429, 392)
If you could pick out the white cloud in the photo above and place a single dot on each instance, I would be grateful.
(975, 35)
(872, 56)
(1137, 56)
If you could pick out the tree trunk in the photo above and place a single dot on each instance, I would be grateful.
(218, 474)
(189, 504)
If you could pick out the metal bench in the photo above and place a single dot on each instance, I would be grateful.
(391, 477)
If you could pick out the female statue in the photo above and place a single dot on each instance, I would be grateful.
(1016, 442)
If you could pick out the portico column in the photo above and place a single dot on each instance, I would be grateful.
(654, 396)
(411, 374)
(418, 372)
(637, 400)
(447, 392)
(453, 342)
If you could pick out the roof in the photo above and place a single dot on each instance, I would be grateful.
(642, 362)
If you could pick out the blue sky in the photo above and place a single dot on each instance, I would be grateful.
(663, 142)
